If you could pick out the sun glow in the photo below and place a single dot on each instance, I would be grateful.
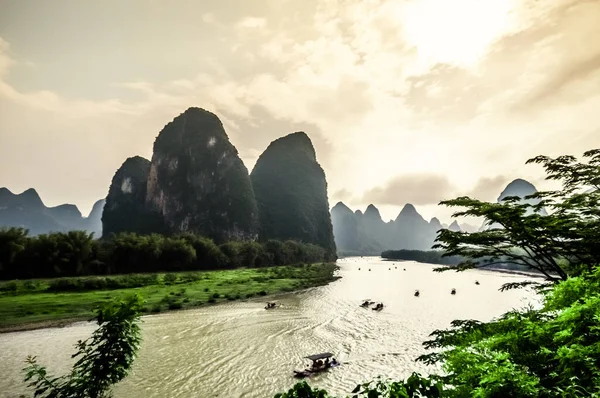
(455, 31)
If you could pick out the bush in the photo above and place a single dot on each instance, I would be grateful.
(11, 286)
(156, 308)
(262, 293)
(170, 278)
(175, 305)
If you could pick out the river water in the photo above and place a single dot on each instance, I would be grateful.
(238, 349)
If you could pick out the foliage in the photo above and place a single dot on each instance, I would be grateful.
(414, 386)
(429, 256)
(559, 244)
(76, 253)
(291, 193)
(303, 390)
(549, 352)
(102, 361)
(12, 242)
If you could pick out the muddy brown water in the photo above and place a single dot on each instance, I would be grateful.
(239, 349)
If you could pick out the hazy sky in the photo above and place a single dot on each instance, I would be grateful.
(405, 101)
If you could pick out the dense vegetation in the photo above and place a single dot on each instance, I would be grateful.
(39, 302)
(102, 361)
(291, 192)
(552, 351)
(422, 256)
(76, 253)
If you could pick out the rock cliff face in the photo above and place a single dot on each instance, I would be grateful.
(125, 208)
(27, 210)
(291, 192)
(197, 182)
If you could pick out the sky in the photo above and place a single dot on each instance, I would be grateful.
(405, 100)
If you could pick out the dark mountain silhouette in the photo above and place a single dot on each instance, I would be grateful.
(125, 209)
(27, 210)
(197, 181)
(291, 193)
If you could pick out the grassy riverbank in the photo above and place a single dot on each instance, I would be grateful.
(53, 302)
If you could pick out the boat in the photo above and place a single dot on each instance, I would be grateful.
(270, 305)
(318, 365)
(417, 293)
(453, 291)
(378, 307)
(366, 303)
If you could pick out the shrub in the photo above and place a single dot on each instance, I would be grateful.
(170, 278)
(11, 286)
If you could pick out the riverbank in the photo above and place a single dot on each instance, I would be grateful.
(500, 270)
(26, 305)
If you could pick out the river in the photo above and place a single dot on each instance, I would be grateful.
(238, 349)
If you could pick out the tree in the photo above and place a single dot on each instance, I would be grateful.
(550, 352)
(559, 244)
(103, 360)
(12, 242)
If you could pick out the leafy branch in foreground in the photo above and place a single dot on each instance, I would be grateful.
(549, 352)
(558, 244)
(415, 386)
(103, 360)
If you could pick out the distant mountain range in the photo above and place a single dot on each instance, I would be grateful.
(355, 232)
(358, 233)
(28, 211)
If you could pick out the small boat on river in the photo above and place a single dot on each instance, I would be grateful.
(320, 363)
(270, 305)
(366, 303)
(378, 307)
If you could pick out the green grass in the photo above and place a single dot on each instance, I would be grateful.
(50, 301)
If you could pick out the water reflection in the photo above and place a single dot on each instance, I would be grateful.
(239, 349)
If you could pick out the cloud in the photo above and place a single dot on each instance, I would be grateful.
(418, 189)
(342, 195)
(349, 74)
(252, 23)
(488, 188)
